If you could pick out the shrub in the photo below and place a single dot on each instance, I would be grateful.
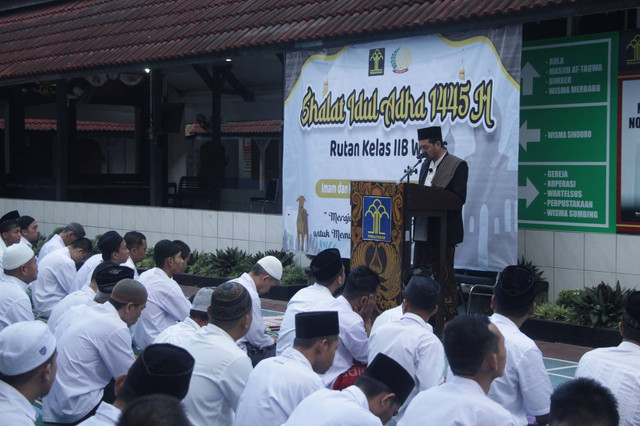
(553, 312)
(600, 306)
(294, 275)
(567, 297)
(529, 264)
(202, 265)
(225, 261)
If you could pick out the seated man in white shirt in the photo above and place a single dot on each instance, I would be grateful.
(584, 402)
(374, 399)
(198, 317)
(20, 269)
(477, 355)
(167, 304)
(9, 235)
(137, 246)
(277, 385)
(265, 274)
(69, 234)
(105, 277)
(618, 368)
(160, 369)
(185, 255)
(56, 274)
(92, 351)
(396, 313)
(222, 368)
(29, 232)
(355, 307)
(27, 370)
(525, 388)
(112, 249)
(328, 270)
(410, 340)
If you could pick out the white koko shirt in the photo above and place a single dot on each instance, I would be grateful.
(83, 276)
(50, 246)
(91, 352)
(458, 402)
(353, 340)
(84, 296)
(410, 341)
(389, 315)
(166, 305)
(617, 368)
(178, 333)
(303, 301)
(256, 335)
(55, 280)
(219, 376)
(15, 305)
(275, 387)
(524, 388)
(348, 407)
(15, 408)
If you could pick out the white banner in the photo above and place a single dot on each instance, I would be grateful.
(353, 114)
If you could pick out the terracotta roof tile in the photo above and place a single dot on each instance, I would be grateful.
(43, 124)
(91, 34)
(241, 128)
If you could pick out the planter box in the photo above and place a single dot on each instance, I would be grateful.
(573, 334)
(283, 292)
(199, 280)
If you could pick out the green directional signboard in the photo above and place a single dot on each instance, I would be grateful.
(568, 102)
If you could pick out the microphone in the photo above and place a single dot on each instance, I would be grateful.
(422, 156)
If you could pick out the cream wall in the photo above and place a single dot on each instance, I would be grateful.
(202, 229)
(572, 260)
(569, 259)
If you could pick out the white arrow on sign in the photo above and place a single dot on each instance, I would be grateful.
(528, 74)
(528, 135)
(528, 192)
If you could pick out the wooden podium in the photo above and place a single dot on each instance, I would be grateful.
(381, 230)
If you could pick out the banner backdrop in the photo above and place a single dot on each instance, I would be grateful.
(353, 113)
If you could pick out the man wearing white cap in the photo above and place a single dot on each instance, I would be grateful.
(198, 317)
(27, 370)
(20, 269)
(265, 274)
(94, 350)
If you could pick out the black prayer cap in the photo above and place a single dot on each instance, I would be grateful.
(422, 292)
(108, 274)
(423, 270)
(230, 301)
(164, 249)
(516, 287)
(432, 133)
(8, 225)
(317, 324)
(25, 221)
(161, 368)
(326, 264)
(631, 315)
(12, 215)
(110, 242)
(386, 370)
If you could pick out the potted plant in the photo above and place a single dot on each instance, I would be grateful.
(294, 279)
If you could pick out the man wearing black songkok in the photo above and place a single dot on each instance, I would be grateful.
(524, 388)
(375, 397)
(618, 368)
(277, 385)
(441, 170)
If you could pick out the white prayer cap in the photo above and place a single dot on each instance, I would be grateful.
(272, 265)
(25, 346)
(15, 256)
(202, 300)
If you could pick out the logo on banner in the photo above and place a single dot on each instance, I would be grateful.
(376, 61)
(376, 219)
(634, 45)
(401, 59)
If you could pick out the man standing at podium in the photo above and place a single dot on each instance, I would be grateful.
(441, 170)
